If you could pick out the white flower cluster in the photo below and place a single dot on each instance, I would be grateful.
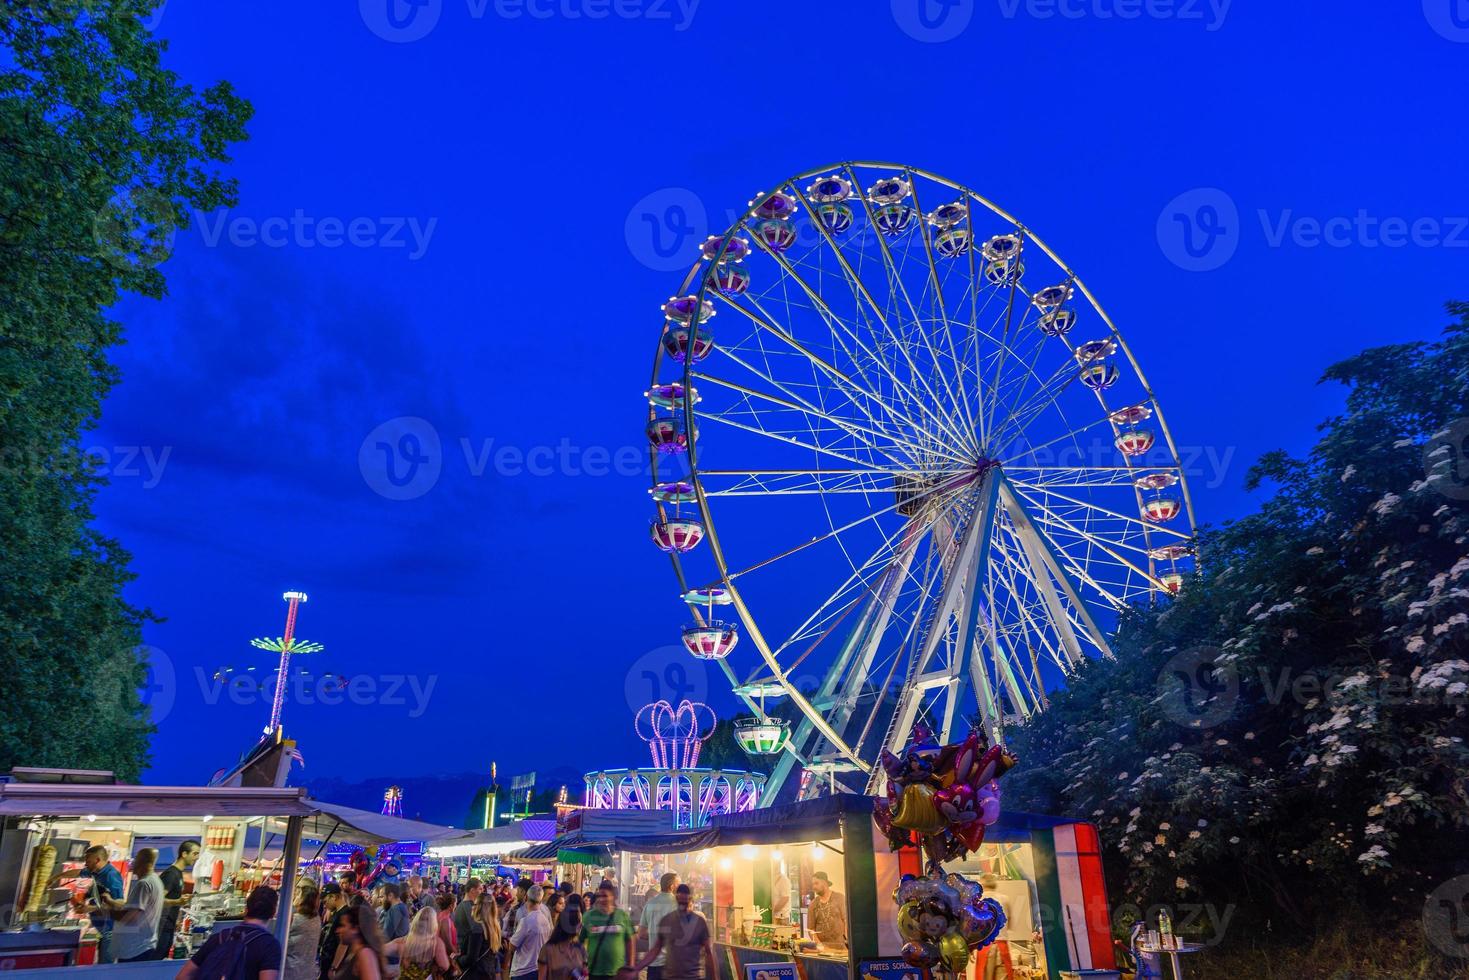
(1444, 676)
(1387, 504)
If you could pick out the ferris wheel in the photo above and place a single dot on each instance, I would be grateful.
(906, 468)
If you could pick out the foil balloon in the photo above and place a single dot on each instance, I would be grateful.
(988, 797)
(954, 951)
(908, 922)
(913, 779)
(981, 922)
(946, 794)
(921, 955)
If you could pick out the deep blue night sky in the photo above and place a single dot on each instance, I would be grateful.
(543, 162)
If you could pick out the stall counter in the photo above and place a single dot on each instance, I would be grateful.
(733, 959)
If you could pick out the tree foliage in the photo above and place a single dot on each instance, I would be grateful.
(103, 152)
(1288, 735)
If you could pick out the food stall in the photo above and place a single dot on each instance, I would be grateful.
(248, 835)
(49, 818)
(811, 884)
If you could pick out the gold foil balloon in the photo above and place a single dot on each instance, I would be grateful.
(955, 951)
(916, 810)
(908, 922)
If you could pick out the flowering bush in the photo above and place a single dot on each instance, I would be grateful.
(1289, 734)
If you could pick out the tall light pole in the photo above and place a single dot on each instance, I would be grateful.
(490, 794)
(285, 645)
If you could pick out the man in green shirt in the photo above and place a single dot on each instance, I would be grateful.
(658, 906)
(607, 934)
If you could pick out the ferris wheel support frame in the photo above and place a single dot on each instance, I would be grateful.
(959, 597)
(1033, 541)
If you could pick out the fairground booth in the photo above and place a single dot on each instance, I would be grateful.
(249, 835)
(756, 877)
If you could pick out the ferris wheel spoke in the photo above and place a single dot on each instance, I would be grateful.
(866, 294)
(786, 438)
(856, 394)
(890, 266)
(912, 451)
(1134, 522)
(946, 490)
(1047, 392)
(1117, 594)
(1042, 478)
(871, 388)
(1026, 560)
(1014, 287)
(833, 320)
(1030, 451)
(886, 559)
(1035, 629)
(767, 376)
(796, 483)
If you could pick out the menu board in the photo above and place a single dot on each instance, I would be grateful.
(890, 969)
(770, 971)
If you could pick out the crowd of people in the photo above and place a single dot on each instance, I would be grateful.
(493, 930)
(391, 928)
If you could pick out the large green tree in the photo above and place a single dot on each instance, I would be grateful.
(1287, 739)
(103, 154)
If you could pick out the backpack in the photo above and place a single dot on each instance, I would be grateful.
(227, 960)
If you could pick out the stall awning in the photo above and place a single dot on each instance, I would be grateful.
(344, 823)
(321, 820)
(81, 800)
(572, 848)
(808, 820)
(508, 839)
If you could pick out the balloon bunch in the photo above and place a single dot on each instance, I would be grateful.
(947, 794)
(943, 918)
